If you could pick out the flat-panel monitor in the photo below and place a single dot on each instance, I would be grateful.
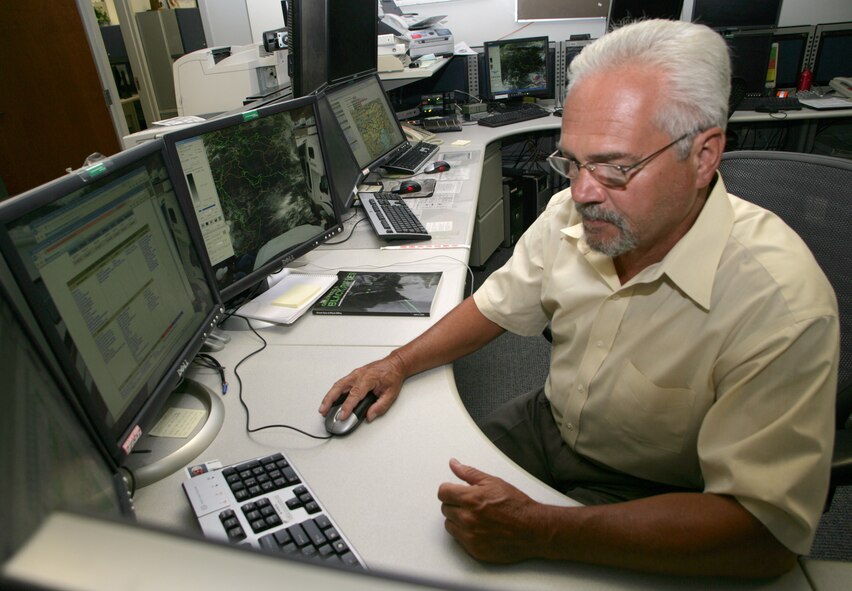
(344, 172)
(750, 59)
(260, 190)
(736, 14)
(623, 11)
(368, 122)
(352, 34)
(793, 47)
(51, 457)
(833, 55)
(307, 45)
(517, 68)
(108, 265)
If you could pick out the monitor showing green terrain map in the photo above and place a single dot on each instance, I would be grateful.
(260, 189)
(366, 118)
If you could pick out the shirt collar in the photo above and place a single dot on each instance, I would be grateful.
(691, 264)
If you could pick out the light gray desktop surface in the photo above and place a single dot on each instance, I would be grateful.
(380, 483)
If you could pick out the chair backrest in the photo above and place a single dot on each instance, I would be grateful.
(813, 195)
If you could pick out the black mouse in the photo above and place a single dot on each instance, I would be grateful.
(437, 166)
(408, 187)
(345, 427)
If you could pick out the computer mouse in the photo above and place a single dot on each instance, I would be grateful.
(337, 427)
(437, 166)
(408, 187)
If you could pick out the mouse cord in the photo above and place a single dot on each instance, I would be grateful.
(240, 391)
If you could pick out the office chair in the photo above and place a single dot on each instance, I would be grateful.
(811, 193)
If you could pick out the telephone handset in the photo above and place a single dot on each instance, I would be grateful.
(842, 85)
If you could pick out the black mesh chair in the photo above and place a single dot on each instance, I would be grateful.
(813, 195)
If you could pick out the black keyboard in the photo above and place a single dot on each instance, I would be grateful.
(391, 217)
(411, 160)
(515, 116)
(264, 503)
(769, 104)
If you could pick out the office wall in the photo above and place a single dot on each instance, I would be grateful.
(475, 21)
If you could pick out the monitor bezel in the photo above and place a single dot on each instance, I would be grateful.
(344, 198)
(821, 31)
(230, 293)
(546, 93)
(140, 415)
(697, 5)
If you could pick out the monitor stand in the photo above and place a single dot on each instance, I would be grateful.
(154, 458)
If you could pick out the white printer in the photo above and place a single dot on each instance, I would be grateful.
(424, 36)
(219, 79)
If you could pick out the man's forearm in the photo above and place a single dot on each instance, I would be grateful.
(681, 534)
(462, 331)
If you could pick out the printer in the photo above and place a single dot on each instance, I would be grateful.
(219, 79)
(424, 36)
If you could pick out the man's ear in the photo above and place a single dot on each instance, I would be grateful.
(709, 147)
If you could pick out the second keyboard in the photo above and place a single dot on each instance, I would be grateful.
(391, 217)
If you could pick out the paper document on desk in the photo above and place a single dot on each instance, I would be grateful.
(830, 102)
(289, 298)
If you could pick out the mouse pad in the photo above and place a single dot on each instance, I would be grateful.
(427, 187)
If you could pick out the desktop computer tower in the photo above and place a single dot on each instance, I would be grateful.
(525, 195)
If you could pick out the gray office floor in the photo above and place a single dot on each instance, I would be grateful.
(512, 365)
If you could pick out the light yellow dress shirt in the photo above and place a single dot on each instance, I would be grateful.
(714, 369)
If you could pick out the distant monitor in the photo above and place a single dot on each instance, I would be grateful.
(307, 45)
(51, 457)
(622, 11)
(260, 190)
(736, 14)
(368, 122)
(750, 59)
(106, 261)
(517, 68)
(794, 45)
(833, 55)
(352, 34)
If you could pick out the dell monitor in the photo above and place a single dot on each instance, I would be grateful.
(517, 68)
(259, 188)
(106, 262)
(367, 120)
(52, 459)
(736, 14)
(624, 11)
(833, 55)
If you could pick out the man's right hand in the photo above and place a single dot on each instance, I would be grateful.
(383, 377)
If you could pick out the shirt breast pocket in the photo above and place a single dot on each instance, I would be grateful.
(649, 414)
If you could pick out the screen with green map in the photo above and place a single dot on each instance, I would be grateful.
(258, 186)
(365, 115)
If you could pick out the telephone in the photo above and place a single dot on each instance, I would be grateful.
(417, 134)
(843, 86)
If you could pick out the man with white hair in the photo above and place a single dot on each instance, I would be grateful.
(690, 399)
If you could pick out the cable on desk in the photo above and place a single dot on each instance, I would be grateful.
(207, 360)
(240, 391)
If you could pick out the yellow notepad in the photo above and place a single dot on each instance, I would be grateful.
(297, 295)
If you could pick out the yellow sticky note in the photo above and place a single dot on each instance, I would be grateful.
(297, 296)
(460, 143)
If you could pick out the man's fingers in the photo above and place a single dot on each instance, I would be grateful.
(467, 473)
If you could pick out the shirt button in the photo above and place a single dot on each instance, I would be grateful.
(570, 426)
(600, 344)
(581, 389)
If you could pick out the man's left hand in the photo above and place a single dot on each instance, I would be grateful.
(491, 519)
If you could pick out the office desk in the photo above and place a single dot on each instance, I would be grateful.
(380, 483)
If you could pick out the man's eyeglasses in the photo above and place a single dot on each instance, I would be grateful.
(612, 175)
